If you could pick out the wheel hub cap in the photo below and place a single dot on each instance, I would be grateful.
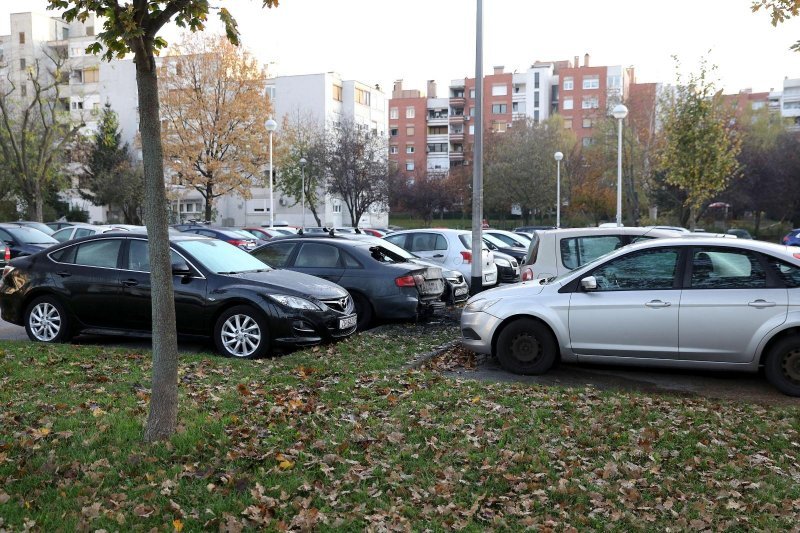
(45, 322)
(241, 335)
(791, 366)
(526, 348)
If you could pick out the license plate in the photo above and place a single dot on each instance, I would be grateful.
(349, 322)
(462, 290)
(431, 287)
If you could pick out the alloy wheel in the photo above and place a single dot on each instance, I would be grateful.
(45, 321)
(241, 335)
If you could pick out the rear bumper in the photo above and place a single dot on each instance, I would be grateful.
(508, 274)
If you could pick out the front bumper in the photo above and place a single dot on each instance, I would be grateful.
(477, 330)
(508, 274)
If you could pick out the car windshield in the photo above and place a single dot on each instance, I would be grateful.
(497, 242)
(402, 252)
(26, 235)
(44, 228)
(222, 258)
(466, 240)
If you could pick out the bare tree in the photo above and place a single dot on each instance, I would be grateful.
(35, 132)
(357, 165)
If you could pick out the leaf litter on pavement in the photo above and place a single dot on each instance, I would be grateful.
(344, 436)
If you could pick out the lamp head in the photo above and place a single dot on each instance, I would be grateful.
(303, 161)
(619, 112)
(558, 156)
(271, 125)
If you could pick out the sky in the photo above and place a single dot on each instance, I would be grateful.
(379, 41)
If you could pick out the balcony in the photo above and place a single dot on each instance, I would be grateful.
(437, 119)
(458, 101)
(456, 156)
(457, 136)
(457, 119)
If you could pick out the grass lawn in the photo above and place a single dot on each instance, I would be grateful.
(344, 437)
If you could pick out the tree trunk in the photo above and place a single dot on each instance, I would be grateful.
(38, 211)
(209, 192)
(757, 223)
(163, 415)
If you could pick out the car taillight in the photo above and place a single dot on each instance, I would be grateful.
(237, 242)
(467, 256)
(796, 256)
(405, 281)
(7, 255)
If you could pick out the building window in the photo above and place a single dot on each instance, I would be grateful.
(410, 131)
(337, 92)
(587, 123)
(472, 111)
(472, 93)
(614, 82)
(410, 112)
(591, 82)
(499, 108)
(77, 104)
(22, 37)
(568, 83)
(437, 147)
(437, 130)
(89, 31)
(499, 126)
(568, 124)
(362, 96)
(91, 75)
(394, 113)
(567, 104)
(409, 149)
(472, 129)
(76, 76)
(23, 89)
(393, 132)
(499, 90)
(393, 149)
(535, 80)
(536, 99)
(587, 141)
(409, 165)
(536, 116)
(337, 207)
(515, 107)
(22, 64)
(590, 102)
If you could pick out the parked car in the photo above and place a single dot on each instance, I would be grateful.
(739, 233)
(233, 236)
(553, 252)
(531, 229)
(456, 290)
(374, 232)
(5, 254)
(81, 230)
(22, 240)
(102, 283)
(792, 238)
(509, 237)
(696, 303)
(496, 245)
(44, 228)
(449, 248)
(383, 285)
(266, 234)
(58, 224)
(507, 267)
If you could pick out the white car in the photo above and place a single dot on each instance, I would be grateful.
(75, 232)
(509, 237)
(448, 247)
(556, 251)
(687, 302)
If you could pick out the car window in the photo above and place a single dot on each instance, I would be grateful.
(83, 232)
(206, 233)
(220, 257)
(102, 253)
(277, 254)
(349, 260)
(726, 269)
(577, 251)
(5, 237)
(533, 249)
(789, 274)
(139, 256)
(645, 270)
(427, 242)
(398, 240)
(316, 255)
(62, 234)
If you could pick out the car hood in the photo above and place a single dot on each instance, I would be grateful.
(293, 283)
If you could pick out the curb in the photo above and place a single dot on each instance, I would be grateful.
(424, 358)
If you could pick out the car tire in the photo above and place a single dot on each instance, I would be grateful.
(46, 320)
(241, 332)
(782, 366)
(363, 309)
(526, 346)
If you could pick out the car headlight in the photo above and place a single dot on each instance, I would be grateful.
(294, 302)
(480, 305)
(499, 261)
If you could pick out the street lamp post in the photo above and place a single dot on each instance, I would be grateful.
(558, 157)
(619, 113)
(271, 126)
(303, 190)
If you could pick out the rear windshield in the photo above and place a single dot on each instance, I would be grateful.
(466, 240)
(30, 236)
(533, 249)
(383, 254)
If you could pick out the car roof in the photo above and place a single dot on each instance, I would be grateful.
(616, 230)
(448, 231)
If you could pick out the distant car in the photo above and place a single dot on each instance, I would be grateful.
(382, 284)
(58, 224)
(509, 237)
(82, 230)
(233, 236)
(699, 303)
(44, 228)
(266, 234)
(22, 240)
(102, 284)
(556, 251)
(374, 232)
(449, 248)
(792, 238)
(530, 229)
(740, 233)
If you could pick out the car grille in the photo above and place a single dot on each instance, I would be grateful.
(342, 305)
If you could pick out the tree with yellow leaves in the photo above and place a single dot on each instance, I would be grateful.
(214, 107)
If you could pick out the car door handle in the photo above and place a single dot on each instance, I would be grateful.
(759, 304)
(657, 304)
(438, 256)
(64, 274)
(130, 282)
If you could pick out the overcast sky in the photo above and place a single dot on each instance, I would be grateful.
(378, 41)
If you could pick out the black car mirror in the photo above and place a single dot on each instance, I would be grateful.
(181, 268)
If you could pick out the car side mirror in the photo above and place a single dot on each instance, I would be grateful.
(181, 268)
(589, 283)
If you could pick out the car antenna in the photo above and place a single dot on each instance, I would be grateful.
(300, 231)
(358, 230)
(330, 232)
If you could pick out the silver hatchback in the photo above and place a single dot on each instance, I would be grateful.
(704, 303)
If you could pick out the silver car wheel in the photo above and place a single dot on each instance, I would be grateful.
(790, 366)
(241, 335)
(526, 348)
(45, 322)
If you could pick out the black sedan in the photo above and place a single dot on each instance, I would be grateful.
(382, 284)
(101, 284)
(22, 240)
